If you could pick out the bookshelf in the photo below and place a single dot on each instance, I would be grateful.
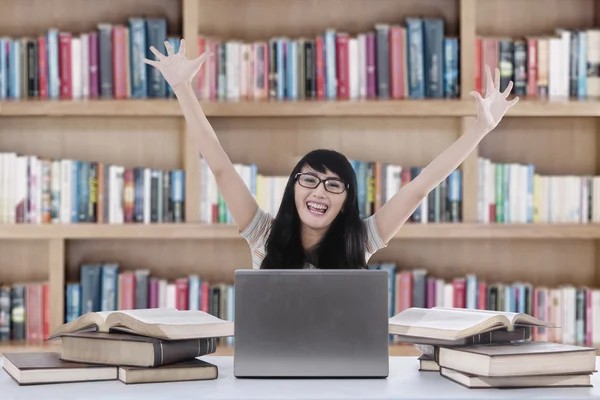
(558, 136)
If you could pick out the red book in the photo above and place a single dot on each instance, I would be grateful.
(127, 292)
(532, 67)
(489, 52)
(182, 286)
(42, 68)
(46, 312)
(205, 297)
(342, 65)
(64, 65)
(320, 67)
(397, 69)
(405, 286)
(478, 63)
(459, 286)
(119, 62)
(482, 296)
(34, 312)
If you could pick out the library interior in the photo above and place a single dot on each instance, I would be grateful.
(107, 203)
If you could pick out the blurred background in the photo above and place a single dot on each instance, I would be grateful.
(106, 204)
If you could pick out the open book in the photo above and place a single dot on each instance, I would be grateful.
(163, 323)
(456, 323)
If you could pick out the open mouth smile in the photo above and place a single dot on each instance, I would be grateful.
(316, 208)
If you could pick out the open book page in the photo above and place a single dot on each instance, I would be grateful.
(514, 318)
(88, 321)
(98, 320)
(447, 324)
(168, 317)
(185, 324)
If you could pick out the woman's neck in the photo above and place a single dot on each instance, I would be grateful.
(310, 237)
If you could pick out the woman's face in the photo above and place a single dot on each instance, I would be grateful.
(318, 203)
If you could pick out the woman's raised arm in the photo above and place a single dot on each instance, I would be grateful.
(178, 71)
(490, 111)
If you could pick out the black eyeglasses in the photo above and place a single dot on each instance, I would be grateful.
(311, 181)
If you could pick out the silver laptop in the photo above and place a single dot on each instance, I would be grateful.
(311, 324)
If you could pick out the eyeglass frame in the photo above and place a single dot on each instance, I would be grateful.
(346, 186)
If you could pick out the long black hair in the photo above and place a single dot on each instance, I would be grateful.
(342, 246)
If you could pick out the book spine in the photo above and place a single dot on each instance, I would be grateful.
(433, 57)
(141, 288)
(109, 293)
(5, 310)
(17, 316)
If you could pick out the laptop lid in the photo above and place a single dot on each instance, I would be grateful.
(311, 323)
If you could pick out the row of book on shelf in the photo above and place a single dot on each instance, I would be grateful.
(106, 62)
(24, 313)
(517, 193)
(559, 64)
(376, 183)
(415, 59)
(39, 190)
(574, 309)
(24, 308)
(390, 61)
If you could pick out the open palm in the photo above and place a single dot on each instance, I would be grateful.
(492, 108)
(175, 67)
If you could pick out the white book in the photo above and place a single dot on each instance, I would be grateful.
(65, 190)
(147, 195)
(85, 65)
(76, 74)
(362, 65)
(55, 196)
(353, 68)
(232, 70)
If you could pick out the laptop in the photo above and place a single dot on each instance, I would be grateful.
(311, 324)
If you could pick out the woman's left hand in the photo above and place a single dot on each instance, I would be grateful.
(492, 108)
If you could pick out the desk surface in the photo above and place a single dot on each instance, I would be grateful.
(404, 381)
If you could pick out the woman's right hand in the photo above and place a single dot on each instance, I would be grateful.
(175, 67)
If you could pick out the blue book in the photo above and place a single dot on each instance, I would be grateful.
(4, 43)
(14, 70)
(291, 70)
(137, 50)
(53, 69)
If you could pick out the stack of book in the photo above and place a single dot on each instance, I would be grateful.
(491, 349)
(133, 346)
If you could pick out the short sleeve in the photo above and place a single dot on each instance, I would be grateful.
(256, 234)
(374, 241)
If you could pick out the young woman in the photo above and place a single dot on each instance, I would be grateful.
(318, 223)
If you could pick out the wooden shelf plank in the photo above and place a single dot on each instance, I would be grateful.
(229, 232)
(287, 108)
(91, 108)
(347, 108)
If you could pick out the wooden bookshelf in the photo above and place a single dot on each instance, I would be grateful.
(226, 232)
(558, 136)
(291, 108)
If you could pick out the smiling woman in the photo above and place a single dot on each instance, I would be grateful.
(318, 223)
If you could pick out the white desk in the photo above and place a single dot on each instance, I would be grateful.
(404, 382)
